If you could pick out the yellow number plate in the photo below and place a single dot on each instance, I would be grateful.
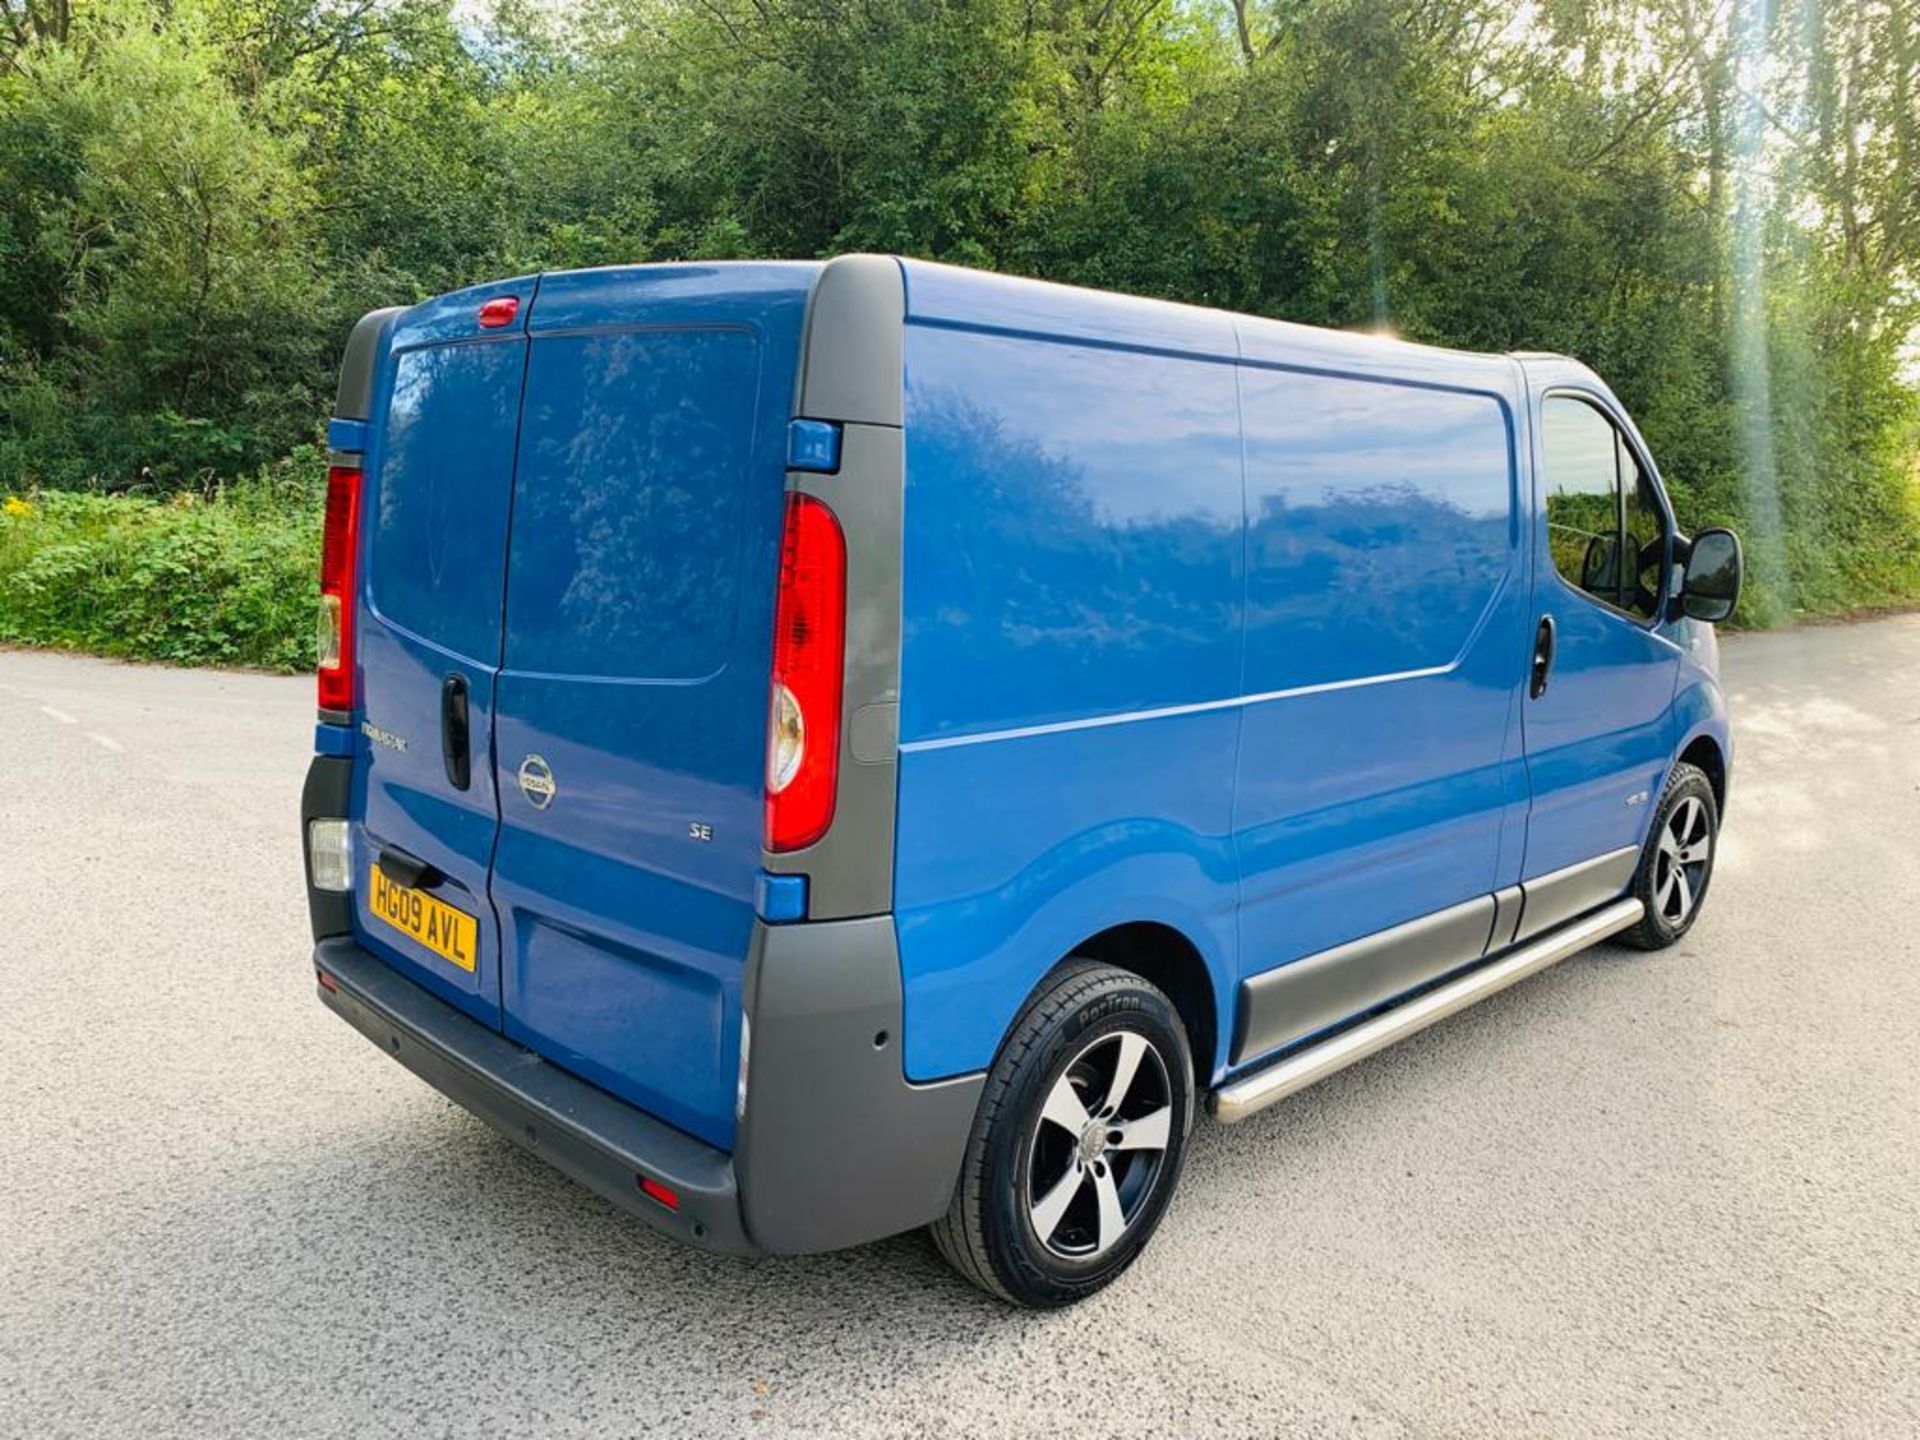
(448, 932)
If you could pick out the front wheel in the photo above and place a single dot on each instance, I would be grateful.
(1677, 861)
(1078, 1143)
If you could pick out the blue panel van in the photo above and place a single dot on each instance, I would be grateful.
(816, 750)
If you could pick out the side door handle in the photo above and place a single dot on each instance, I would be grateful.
(456, 748)
(1542, 656)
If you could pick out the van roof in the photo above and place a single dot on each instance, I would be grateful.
(986, 300)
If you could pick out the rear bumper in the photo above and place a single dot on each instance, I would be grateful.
(835, 1147)
(604, 1143)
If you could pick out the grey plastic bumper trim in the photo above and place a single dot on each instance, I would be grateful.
(1506, 918)
(837, 1147)
(1293, 1001)
(354, 398)
(1264, 1087)
(1555, 898)
(850, 372)
(325, 796)
(598, 1140)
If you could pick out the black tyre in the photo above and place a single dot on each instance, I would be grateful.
(1078, 1143)
(1677, 862)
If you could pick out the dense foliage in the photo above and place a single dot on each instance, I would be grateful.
(196, 580)
(1714, 202)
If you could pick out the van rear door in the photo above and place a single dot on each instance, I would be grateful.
(437, 490)
(631, 721)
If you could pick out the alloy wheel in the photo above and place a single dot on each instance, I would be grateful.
(1681, 860)
(1098, 1146)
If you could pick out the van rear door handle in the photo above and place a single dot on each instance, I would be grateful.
(455, 747)
(1542, 656)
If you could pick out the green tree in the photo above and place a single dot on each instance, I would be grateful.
(1714, 204)
(166, 312)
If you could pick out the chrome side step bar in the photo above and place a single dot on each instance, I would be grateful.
(1241, 1098)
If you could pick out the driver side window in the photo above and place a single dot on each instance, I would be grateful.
(1605, 527)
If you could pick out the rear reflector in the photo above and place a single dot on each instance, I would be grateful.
(657, 1191)
(327, 982)
(499, 311)
(339, 546)
(809, 643)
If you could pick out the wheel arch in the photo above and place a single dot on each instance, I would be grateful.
(1705, 754)
(1706, 739)
(1168, 959)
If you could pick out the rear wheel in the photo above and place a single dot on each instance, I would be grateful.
(1078, 1143)
(1677, 863)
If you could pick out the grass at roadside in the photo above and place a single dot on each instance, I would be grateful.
(226, 579)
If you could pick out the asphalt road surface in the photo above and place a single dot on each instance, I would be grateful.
(1673, 1194)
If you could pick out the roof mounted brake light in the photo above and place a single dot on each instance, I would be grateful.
(499, 311)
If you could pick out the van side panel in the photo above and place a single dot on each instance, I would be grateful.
(1072, 556)
(1386, 639)
(1382, 523)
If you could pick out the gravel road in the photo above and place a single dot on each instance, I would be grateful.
(1676, 1194)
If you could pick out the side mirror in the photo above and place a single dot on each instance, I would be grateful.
(1597, 565)
(1712, 586)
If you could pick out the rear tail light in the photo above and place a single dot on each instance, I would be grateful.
(339, 546)
(809, 644)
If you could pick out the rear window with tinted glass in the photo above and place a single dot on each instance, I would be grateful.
(635, 451)
(440, 512)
